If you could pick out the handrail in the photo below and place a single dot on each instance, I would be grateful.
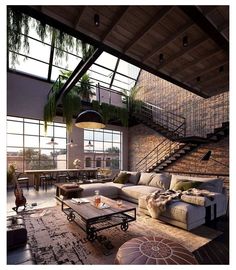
(163, 118)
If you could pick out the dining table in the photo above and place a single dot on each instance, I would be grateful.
(89, 172)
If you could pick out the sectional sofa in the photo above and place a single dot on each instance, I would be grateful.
(186, 215)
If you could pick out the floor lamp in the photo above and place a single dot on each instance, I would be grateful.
(207, 156)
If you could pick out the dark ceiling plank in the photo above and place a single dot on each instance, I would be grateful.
(155, 19)
(206, 26)
(79, 15)
(35, 13)
(117, 18)
(79, 71)
(217, 89)
(223, 27)
(206, 81)
(192, 64)
(206, 70)
(182, 52)
(167, 41)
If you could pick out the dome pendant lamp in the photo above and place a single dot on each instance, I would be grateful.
(89, 119)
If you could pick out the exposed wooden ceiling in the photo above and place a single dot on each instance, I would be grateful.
(151, 37)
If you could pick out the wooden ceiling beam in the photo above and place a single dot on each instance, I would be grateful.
(117, 18)
(35, 13)
(79, 15)
(155, 19)
(167, 41)
(192, 64)
(206, 70)
(194, 14)
(182, 52)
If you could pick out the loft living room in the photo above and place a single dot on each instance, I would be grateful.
(117, 135)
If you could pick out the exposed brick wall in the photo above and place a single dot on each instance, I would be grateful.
(142, 140)
(202, 115)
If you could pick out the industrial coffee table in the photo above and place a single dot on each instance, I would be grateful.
(93, 219)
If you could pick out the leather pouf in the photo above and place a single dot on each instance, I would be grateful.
(153, 250)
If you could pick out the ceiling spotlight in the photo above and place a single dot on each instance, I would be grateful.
(96, 19)
(161, 58)
(198, 79)
(221, 69)
(185, 41)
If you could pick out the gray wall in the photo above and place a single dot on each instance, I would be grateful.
(26, 96)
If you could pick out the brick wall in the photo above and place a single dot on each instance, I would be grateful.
(202, 115)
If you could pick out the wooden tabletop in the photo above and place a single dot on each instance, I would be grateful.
(60, 170)
(89, 211)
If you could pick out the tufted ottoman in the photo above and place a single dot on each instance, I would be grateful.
(153, 250)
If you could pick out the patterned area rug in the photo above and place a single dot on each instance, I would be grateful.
(54, 240)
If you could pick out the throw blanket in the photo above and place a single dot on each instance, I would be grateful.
(157, 201)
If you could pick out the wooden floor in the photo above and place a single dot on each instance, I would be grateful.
(215, 252)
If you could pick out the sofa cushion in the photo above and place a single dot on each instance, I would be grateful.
(211, 184)
(186, 184)
(180, 211)
(145, 178)
(121, 178)
(161, 180)
(136, 191)
(107, 189)
(133, 177)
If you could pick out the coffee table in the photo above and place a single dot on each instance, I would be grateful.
(92, 219)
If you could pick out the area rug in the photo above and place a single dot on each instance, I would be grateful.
(54, 240)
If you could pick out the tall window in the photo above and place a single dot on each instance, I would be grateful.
(103, 146)
(28, 147)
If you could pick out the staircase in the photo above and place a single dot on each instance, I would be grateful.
(176, 144)
(170, 125)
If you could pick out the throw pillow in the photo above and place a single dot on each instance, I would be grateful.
(161, 180)
(145, 178)
(133, 177)
(122, 178)
(185, 185)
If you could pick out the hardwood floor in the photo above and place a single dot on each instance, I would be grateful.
(215, 252)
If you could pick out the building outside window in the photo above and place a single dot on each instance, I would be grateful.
(28, 147)
(103, 146)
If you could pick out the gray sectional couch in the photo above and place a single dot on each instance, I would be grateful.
(186, 215)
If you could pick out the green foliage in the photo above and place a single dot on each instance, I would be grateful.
(71, 103)
(111, 112)
(18, 23)
(84, 88)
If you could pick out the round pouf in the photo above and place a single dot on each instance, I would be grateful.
(153, 250)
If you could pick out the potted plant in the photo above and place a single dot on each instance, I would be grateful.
(10, 173)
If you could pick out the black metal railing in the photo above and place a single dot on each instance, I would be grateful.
(174, 123)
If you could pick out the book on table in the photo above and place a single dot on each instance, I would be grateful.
(80, 200)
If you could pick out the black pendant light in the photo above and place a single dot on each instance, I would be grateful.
(89, 119)
(71, 143)
(52, 142)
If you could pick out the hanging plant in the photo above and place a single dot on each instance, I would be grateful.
(71, 103)
(17, 24)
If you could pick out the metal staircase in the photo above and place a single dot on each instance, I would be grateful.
(176, 144)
